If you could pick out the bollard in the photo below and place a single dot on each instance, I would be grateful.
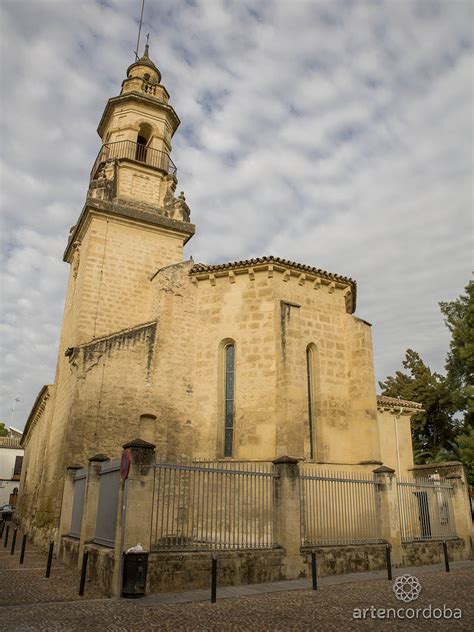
(2, 526)
(23, 546)
(12, 551)
(388, 556)
(446, 558)
(6, 535)
(314, 570)
(82, 583)
(50, 559)
(214, 580)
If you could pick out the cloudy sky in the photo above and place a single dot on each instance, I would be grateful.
(337, 134)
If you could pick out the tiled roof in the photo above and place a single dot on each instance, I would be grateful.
(10, 442)
(382, 400)
(246, 263)
(202, 267)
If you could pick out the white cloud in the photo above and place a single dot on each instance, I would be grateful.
(334, 133)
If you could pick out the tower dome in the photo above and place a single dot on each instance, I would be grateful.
(143, 67)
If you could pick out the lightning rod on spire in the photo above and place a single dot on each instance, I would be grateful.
(139, 31)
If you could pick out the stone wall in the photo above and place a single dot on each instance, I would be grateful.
(420, 553)
(33, 513)
(68, 551)
(271, 315)
(338, 560)
(114, 388)
(387, 420)
(101, 567)
(181, 571)
(173, 306)
(117, 260)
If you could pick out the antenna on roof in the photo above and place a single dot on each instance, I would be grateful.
(139, 31)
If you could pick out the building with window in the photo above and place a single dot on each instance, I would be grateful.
(243, 360)
(11, 458)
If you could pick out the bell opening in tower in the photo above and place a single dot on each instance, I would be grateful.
(143, 139)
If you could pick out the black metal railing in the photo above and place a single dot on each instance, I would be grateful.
(129, 150)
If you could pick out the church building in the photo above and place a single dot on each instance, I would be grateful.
(236, 361)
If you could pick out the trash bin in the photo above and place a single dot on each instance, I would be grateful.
(135, 566)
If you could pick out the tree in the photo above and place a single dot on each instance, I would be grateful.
(3, 430)
(459, 318)
(445, 431)
(461, 449)
(436, 427)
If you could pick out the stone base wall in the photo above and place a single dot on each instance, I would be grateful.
(101, 567)
(341, 559)
(419, 553)
(68, 551)
(181, 571)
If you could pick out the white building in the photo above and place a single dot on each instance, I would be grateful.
(11, 458)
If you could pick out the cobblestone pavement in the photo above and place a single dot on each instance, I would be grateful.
(29, 601)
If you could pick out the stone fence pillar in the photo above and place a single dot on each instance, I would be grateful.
(91, 502)
(135, 504)
(287, 514)
(386, 498)
(461, 508)
(67, 501)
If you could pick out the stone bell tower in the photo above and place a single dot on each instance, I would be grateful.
(132, 224)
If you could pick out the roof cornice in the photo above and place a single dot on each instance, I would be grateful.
(127, 210)
(36, 411)
(384, 402)
(200, 270)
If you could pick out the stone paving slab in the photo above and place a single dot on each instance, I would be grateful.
(27, 584)
(232, 592)
(30, 602)
(330, 608)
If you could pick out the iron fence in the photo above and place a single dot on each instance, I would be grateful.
(213, 505)
(337, 508)
(131, 150)
(425, 508)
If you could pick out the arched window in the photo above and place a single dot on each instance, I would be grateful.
(229, 384)
(144, 133)
(310, 376)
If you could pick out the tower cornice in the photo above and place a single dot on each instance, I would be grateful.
(142, 99)
(142, 214)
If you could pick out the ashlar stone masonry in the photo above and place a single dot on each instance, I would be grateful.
(145, 336)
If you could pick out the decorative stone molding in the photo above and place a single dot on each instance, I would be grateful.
(401, 406)
(272, 265)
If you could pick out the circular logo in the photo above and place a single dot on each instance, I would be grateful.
(407, 588)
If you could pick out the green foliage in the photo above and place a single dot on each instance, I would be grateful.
(3, 430)
(461, 449)
(436, 426)
(445, 431)
(459, 318)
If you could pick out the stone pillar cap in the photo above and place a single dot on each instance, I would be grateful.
(285, 459)
(383, 469)
(139, 443)
(99, 457)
